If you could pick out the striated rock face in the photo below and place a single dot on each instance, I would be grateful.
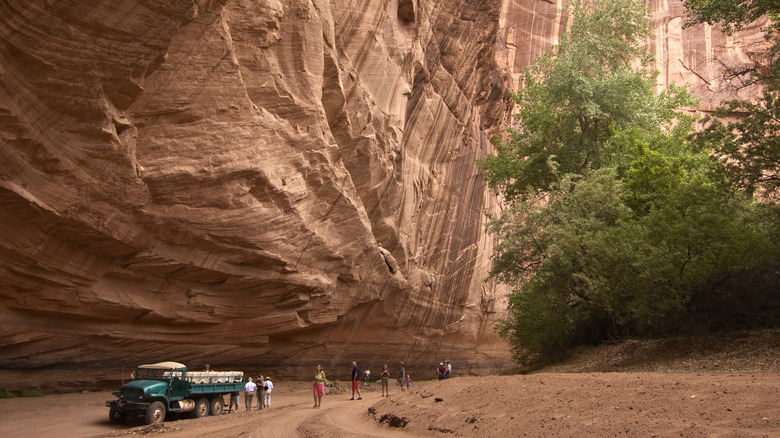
(702, 56)
(264, 184)
(258, 184)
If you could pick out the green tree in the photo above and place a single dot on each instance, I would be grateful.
(613, 222)
(597, 78)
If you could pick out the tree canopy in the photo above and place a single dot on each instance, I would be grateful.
(731, 14)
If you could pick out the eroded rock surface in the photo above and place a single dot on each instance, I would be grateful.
(247, 183)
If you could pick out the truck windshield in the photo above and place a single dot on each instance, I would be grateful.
(155, 374)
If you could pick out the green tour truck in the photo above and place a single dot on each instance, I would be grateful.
(168, 387)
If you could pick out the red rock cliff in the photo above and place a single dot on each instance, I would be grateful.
(251, 184)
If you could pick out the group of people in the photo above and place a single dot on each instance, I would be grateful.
(445, 370)
(264, 386)
(262, 390)
(320, 380)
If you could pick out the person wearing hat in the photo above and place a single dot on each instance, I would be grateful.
(442, 371)
(269, 386)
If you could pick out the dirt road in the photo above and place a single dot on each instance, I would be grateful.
(644, 404)
(291, 415)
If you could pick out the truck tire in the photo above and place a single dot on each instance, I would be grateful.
(216, 404)
(155, 413)
(201, 408)
(116, 415)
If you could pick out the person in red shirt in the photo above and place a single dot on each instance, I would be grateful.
(442, 371)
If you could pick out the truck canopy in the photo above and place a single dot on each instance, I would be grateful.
(163, 366)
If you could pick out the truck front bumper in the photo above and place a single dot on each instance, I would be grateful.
(129, 408)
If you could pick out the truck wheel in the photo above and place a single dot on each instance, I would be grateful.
(215, 406)
(155, 413)
(201, 408)
(116, 416)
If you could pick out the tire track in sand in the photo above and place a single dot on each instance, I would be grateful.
(337, 418)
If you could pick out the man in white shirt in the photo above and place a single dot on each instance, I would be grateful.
(249, 393)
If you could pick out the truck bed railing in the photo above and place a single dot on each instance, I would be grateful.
(214, 376)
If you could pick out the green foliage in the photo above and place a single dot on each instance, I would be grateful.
(613, 221)
(732, 15)
(22, 393)
(538, 326)
(595, 80)
(618, 255)
(749, 146)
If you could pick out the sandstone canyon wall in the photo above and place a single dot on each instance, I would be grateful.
(254, 184)
(257, 184)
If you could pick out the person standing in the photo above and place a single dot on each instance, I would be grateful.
(449, 369)
(269, 386)
(402, 377)
(260, 392)
(319, 386)
(385, 376)
(409, 382)
(355, 381)
(442, 371)
(233, 401)
(368, 375)
(249, 393)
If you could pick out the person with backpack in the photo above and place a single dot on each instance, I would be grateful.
(260, 391)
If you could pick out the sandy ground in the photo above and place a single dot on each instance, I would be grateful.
(642, 404)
